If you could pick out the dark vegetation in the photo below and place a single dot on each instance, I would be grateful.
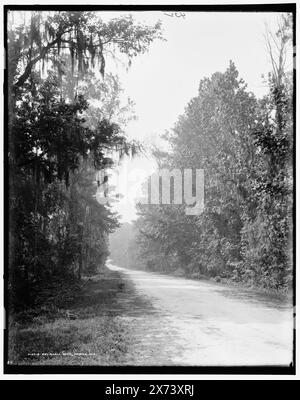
(65, 122)
(59, 137)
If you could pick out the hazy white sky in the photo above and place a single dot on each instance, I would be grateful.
(162, 81)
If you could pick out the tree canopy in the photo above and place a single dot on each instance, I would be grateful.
(244, 145)
(65, 118)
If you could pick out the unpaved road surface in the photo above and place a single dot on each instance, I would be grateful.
(204, 323)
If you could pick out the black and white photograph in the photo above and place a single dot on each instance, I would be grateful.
(149, 188)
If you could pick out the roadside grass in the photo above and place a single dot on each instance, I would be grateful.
(87, 330)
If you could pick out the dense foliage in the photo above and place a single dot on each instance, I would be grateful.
(245, 147)
(60, 133)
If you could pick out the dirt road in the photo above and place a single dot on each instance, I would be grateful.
(204, 323)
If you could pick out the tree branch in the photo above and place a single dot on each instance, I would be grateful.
(23, 78)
